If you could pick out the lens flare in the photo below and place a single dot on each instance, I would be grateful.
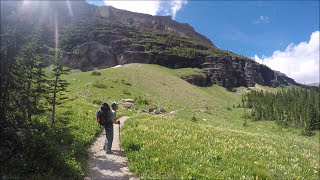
(56, 35)
(45, 14)
(69, 8)
(25, 2)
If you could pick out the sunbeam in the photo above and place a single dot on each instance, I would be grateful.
(25, 2)
(69, 8)
(56, 35)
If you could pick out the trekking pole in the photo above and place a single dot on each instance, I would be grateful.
(119, 136)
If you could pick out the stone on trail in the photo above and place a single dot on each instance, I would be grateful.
(128, 100)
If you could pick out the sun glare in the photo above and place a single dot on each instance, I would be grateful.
(26, 2)
(29, 7)
(69, 8)
(56, 34)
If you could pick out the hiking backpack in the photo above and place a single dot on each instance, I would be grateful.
(102, 115)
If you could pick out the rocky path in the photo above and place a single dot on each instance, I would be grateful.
(108, 166)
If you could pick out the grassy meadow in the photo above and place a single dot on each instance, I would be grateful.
(201, 134)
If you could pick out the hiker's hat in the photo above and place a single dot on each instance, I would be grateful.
(114, 104)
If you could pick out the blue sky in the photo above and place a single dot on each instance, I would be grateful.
(237, 25)
(256, 29)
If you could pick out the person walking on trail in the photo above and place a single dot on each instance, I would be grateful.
(109, 116)
(113, 117)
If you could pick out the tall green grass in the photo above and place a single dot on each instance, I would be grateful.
(201, 135)
(176, 148)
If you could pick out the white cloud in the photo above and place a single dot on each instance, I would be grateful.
(262, 19)
(146, 7)
(176, 6)
(300, 62)
(154, 7)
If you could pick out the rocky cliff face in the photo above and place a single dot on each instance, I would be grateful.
(228, 71)
(93, 37)
(232, 71)
(149, 22)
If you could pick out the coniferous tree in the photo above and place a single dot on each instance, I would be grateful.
(9, 49)
(57, 86)
(30, 79)
(297, 107)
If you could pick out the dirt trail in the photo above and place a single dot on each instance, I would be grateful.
(108, 166)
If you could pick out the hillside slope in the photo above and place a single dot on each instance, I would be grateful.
(93, 37)
(200, 135)
(176, 130)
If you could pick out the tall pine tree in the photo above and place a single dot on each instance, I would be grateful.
(57, 85)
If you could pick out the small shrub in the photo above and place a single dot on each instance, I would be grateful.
(232, 89)
(96, 73)
(261, 174)
(126, 83)
(133, 147)
(97, 101)
(305, 132)
(99, 84)
(126, 92)
(194, 119)
(245, 123)
(141, 100)
(63, 137)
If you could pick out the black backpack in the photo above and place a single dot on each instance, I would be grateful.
(103, 117)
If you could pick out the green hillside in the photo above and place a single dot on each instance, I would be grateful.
(199, 132)
(200, 135)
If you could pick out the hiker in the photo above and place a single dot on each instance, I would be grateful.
(110, 115)
(109, 128)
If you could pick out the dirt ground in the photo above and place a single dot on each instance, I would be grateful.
(108, 166)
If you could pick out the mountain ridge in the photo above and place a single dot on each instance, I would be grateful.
(158, 22)
(92, 37)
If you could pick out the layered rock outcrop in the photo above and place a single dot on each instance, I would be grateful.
(93, 37)
(161, 23)
(167, 60)
(232, 71)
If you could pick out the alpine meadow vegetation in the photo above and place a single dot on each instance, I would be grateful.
(48, 111)
(200, 135)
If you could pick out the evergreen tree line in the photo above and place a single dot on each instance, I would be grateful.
(27, 89)
(28, 86)
(293, 106)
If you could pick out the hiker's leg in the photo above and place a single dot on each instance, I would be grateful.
(109, 138)
(106, 141)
